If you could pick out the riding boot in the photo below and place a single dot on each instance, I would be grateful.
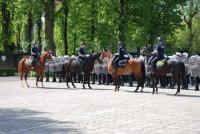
(154, 68)
(115, 67)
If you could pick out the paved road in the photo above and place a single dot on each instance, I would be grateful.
(56, 109)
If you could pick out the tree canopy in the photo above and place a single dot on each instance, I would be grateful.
(60, 25)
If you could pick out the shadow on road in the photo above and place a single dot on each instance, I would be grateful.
(23, 121)
(184, 95)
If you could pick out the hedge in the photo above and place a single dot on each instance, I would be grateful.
(7, 71)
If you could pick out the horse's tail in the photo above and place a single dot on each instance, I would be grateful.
(143, 71)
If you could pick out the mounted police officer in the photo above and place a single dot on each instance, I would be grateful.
(34, 54)
(159, 53)
(81, 53)
(118, 56)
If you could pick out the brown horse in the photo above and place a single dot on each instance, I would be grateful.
(133, 66)
(175, 67)
(24, 68)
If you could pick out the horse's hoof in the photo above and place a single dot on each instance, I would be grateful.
(74, 86)
(68, 86)
(141, 90)
(177, 93)
(135, 90)
(90, 87)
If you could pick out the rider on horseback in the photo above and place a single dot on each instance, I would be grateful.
(34, 54)
(81, 54)
(159, 53)
(118, 56)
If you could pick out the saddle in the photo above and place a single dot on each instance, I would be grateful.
(161, 63)
(123, 62)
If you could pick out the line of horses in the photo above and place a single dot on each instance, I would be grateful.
(69, 68)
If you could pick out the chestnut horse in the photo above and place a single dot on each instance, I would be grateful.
(24, 68)
(134, 66)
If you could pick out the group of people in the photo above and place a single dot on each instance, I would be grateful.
(158, 54)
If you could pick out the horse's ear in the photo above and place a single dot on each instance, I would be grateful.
(50, 52)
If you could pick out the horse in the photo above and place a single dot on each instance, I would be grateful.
(73, 67)
(134, 66)
(101, 69)
(164, 67)
(24, 68)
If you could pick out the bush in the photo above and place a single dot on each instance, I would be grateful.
(8, 71)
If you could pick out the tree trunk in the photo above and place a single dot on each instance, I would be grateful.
(39, 29)
(66, 11)
(93, 22)
(75, 40)
(28, 33)
(5, 25)
(49, 26)
(122, 23)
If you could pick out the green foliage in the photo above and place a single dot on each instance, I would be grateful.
(97, 23)
(7, 71)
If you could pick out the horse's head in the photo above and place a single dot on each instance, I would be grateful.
(106, 54)
(95, 56)
(46, 55)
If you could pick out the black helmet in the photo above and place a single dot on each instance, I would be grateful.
(160, 39)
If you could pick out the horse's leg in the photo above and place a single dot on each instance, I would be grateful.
(197, 83)
(118, 83)
(60, 76)
(100, 77)
(73, 75)
(177, 78)
(138, 83)
(153, 85)
(41, 80)
(67, 79)
(115, 82)
(88, 78)
(25, 77)
(107, 79)
(21, 78)
(122, 80)
(37, 79)
(93, 78)
(84, 78)
(47, 76)
(142, 85)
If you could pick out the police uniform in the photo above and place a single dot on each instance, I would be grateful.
(82, 52)
(35, 50)
(160, 55)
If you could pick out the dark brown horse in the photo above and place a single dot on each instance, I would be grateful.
(24, 68)
(134, 66)
(73, 67)
(175, 67)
